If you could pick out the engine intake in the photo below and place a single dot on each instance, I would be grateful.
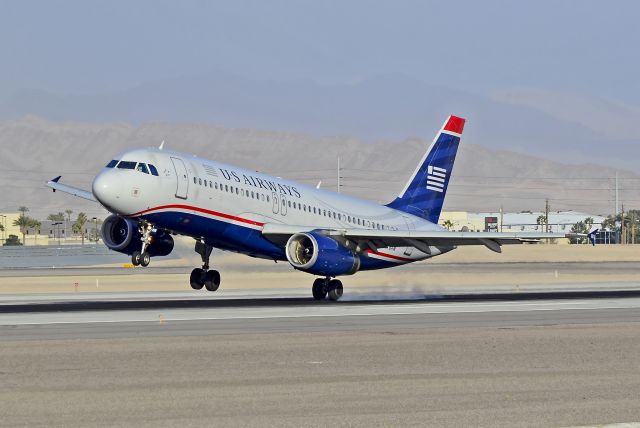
(321, 255)
(122, 235)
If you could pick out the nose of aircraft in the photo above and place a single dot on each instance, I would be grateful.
(106, 188)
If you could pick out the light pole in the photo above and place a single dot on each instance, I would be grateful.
(57, 225)
(95, 219)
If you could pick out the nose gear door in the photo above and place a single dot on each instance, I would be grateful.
(183, 179)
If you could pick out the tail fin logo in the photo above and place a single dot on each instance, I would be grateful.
(435, 178)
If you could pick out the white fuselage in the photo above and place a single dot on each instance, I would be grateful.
(202, 198)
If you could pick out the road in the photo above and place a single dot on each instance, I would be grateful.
(285, 361)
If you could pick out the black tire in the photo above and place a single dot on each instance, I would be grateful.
(319, 289)
(145, 259)
(135, 258)
(212, 280)
(197, 279)
(335, 289)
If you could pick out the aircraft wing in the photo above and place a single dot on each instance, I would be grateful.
(421, 240)
(85, 194)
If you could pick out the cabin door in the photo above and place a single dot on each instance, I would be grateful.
(182, 188)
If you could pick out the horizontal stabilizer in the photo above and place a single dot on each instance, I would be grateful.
(75, 191)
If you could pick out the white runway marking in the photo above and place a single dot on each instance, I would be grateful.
(205, 314)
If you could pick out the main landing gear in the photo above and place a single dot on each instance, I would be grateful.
(143, 258)
(323, 287)
(203, 277)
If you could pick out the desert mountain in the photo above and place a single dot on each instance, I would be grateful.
(34, 150)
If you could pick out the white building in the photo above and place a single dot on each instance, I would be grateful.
(559, 221)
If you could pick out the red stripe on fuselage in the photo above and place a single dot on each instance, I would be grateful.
(391, 256)
(455, 124)
(202, 210)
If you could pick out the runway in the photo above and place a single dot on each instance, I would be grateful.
(277, 358)
(109, 316)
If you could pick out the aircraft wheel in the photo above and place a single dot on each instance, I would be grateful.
(319, 289)
(212, 280)
(136, 257)
(335, 289)
(197, 279)
(145, 259)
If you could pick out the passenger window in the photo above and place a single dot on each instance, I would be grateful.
(112, 164)
(289, 202)
(267, 198)
(153, 170)
(226, 188)
(195, 180)
(142, 168)
(200, 181)
(127, 165)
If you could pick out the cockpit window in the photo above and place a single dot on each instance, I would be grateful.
(112, 164)
(142, 168)
(153, 169)
(127, 165)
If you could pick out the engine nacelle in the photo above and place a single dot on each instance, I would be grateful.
(320, 255)
(122, 235)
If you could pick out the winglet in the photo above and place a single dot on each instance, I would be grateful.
(55, 180)
(592, 236)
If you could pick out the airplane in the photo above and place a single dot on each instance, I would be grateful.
(154, 194)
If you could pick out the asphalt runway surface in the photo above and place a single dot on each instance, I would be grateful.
(167, 359)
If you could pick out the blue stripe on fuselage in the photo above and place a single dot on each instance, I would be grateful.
(240, 239)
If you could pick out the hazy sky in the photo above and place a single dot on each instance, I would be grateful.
(582, 47)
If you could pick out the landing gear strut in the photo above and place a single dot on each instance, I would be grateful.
(143, 258)
(323, 287)
(203, 277)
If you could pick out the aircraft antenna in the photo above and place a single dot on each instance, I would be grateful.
(161, 145)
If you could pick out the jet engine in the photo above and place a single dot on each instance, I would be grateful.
(122, 235)
(320, 255)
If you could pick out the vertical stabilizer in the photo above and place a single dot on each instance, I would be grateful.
(424, 193)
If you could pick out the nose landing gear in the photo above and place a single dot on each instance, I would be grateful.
(323, 287)
(143, 258)
(203, 277)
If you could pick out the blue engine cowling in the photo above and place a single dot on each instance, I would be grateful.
(320, 255)
(122, 235)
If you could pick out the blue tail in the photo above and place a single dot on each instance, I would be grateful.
(423, 195)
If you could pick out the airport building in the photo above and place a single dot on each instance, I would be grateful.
(48, 233)
(528, 221)
(6, 220)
